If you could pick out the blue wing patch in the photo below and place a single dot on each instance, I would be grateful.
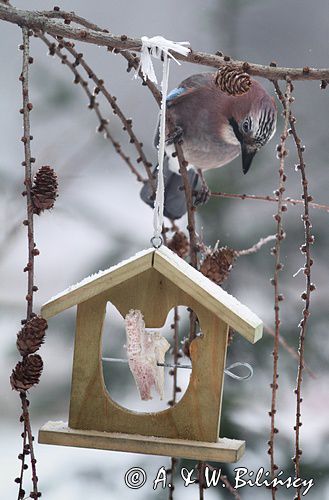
(173, 94)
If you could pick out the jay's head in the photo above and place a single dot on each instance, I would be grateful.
(253, 120)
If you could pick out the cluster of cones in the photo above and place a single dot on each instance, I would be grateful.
(29, 339)
(27, 372)
(216, 263)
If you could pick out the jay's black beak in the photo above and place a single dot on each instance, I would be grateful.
(248, 152)
(247, 157)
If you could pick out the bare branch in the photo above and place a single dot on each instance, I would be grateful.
(40, 22)
(69, 17)
(257, 246)
(290, 350)
(306, 295)
(112, 100)
(194, 246)
(28, 449)
(224, 479)
(278, 297)
(176, 389)
(273, 199)
(183, 164)
(26, 139)
(93, 104)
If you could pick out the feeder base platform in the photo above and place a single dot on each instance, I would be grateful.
(225, 450)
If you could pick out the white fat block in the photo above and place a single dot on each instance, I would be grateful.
(145, 350)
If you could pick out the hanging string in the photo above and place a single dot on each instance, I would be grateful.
(159, 197)
(159, 47)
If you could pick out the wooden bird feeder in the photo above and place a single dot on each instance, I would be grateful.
(153, 281)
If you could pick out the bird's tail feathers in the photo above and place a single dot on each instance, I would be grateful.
(175, 202)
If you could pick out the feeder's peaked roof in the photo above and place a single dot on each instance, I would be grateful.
(191, 281)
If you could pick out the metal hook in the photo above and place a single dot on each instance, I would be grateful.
(156, 241)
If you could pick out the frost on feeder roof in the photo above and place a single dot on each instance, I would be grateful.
(99, 274)
(176, 270)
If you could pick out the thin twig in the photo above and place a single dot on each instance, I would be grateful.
(229, 487)
(176, 389)
(133, 61)
(30, 449)
(32, 251)
(40, 22)
(290, 350)
(273, 199)
(306, 295)
(69, 17)
(201, 479)
(282, 153)
(19, 480)
(112, 100)
(194, 247)
(93, 104)
(176, 354)
(26, 139)
(257, 246)
(224, 479)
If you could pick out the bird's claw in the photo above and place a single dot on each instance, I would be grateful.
(174, 136)
(202, 196)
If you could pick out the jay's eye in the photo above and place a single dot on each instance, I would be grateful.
(246, 125)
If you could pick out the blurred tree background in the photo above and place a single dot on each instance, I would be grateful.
(99, 219)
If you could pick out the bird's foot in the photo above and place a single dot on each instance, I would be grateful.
(201, 196)
(175, 136)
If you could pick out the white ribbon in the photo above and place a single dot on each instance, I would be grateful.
(157, 47)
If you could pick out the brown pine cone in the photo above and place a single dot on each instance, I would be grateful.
(44, 189)
(26, 373)
(217, 264)
(179, 244)
(233, 81)
(31, 336)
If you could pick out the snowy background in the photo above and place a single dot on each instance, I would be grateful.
(99, 220)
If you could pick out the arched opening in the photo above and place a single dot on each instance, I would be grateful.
(118, 377)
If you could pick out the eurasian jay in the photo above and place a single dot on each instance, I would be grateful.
(215, 128)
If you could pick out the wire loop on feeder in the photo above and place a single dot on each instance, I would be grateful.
(228, 371)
